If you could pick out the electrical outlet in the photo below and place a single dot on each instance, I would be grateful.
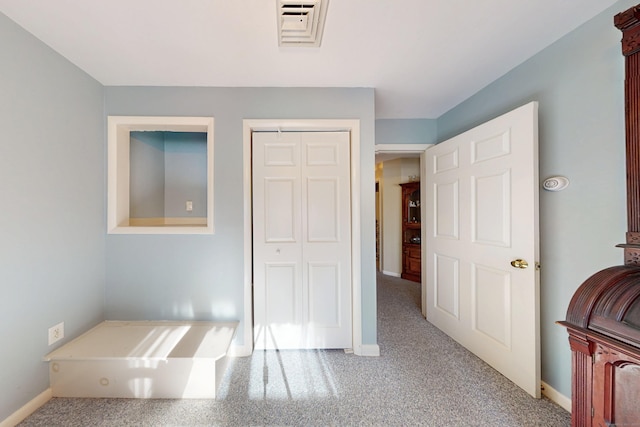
(56, 333)
(189, 206)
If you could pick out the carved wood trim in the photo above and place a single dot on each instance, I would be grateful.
(633, 237)
(579, 343)
(581, 389)
(632, 113)
(585, 298)
(628, 22)
(632, 256)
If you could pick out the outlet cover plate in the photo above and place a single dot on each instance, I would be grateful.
(56, 333)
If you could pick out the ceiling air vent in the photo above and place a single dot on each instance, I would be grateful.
(300, 23)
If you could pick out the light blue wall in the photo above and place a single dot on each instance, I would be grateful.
(52, 214)
(578, 82)
(167, 169)
(185, 174)
(406, 131)
(147, 176)
(201, 277)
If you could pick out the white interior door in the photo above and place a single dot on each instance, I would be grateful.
(482, 215)
(302, 240)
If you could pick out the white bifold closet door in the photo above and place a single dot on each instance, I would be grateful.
(301, 240)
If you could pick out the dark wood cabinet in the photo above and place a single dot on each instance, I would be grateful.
(411, 231)
(603, 321)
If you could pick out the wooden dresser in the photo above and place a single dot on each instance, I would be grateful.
(603, 318)
(411, 244)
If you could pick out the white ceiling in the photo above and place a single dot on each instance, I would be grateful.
(423, 57)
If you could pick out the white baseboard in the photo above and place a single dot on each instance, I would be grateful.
(368, 350)
(28, 409)
(390, 273)
(555, 396)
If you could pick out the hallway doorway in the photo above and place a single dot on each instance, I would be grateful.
(391, 206)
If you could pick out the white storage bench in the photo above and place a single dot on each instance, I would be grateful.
(146, 359)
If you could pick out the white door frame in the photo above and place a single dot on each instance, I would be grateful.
(414, 149)
(352, 126)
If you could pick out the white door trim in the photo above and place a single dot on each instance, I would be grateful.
(352, 126)
(414, 149)
(401, 148)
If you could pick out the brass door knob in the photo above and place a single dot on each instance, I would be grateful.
(519, 263)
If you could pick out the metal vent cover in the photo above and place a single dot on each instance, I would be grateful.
(301, 22)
